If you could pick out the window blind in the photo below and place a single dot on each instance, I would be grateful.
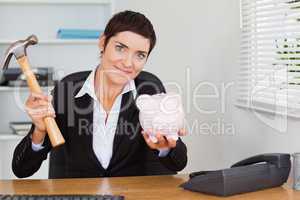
(269, 76)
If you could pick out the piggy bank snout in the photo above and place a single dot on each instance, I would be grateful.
(161, 112)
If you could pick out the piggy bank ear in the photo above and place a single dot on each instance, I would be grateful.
(142, 101)
(171, 103)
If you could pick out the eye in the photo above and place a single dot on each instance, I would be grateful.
(141, 56)
(119, 48)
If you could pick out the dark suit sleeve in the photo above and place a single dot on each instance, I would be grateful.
(176, 159)
(26, 161)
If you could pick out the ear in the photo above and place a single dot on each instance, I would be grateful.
(101, 42)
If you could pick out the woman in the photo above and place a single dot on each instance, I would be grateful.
(97, 116)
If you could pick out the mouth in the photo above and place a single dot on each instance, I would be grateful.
(127, 72)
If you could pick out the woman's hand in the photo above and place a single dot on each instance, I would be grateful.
(38, 106)
(162, 141)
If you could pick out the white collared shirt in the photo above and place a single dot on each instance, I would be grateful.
(104, 133)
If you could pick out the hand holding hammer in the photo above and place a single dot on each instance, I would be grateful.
(18, 49)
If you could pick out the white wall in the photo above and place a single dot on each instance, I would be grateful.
(258, 132)
(202, 37)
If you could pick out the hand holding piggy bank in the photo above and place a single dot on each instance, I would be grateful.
(161, 113)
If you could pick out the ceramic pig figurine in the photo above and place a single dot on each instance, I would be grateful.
(161, 112)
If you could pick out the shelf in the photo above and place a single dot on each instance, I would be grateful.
(61, 2)
(57, 41)
(7, 88)
(10, 136)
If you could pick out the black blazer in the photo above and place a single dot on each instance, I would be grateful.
(76, 158)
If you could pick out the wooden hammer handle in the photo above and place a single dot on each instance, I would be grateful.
(53, 131)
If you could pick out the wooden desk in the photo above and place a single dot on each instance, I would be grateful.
(140, 188)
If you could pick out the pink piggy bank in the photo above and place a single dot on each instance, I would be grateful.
(161, 113)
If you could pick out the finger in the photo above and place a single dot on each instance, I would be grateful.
(51, 114)
(159, 136)
(37, 103)
(42, 106)
(40, 110)
(36, 95)
(47, 98)
(171, 142)
(33, 100)
(149, 132)
(149, 142)
(161, 139)
(42, 116)
(40, 102)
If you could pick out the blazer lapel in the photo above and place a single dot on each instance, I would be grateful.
(85, 105)
(127, 111)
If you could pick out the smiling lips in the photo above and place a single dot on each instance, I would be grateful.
(127, 72)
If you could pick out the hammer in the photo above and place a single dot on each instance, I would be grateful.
(18, 49)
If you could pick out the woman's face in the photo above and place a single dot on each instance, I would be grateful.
(123, 57)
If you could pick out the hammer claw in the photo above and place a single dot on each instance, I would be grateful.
(18, 48)
(6, 61)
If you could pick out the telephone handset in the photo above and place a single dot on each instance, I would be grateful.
(276, 159)
(251, 174)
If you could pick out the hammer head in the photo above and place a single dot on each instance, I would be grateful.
(18, 49)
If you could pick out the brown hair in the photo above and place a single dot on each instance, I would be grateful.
(130, 21)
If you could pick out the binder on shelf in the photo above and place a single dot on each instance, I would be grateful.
(20, 127)
(14, 77)
(78, 33)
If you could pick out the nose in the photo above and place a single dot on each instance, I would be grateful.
(128, 61)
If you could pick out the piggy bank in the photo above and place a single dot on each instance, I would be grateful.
(161, 113)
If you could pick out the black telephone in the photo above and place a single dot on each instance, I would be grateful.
(254, 173)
